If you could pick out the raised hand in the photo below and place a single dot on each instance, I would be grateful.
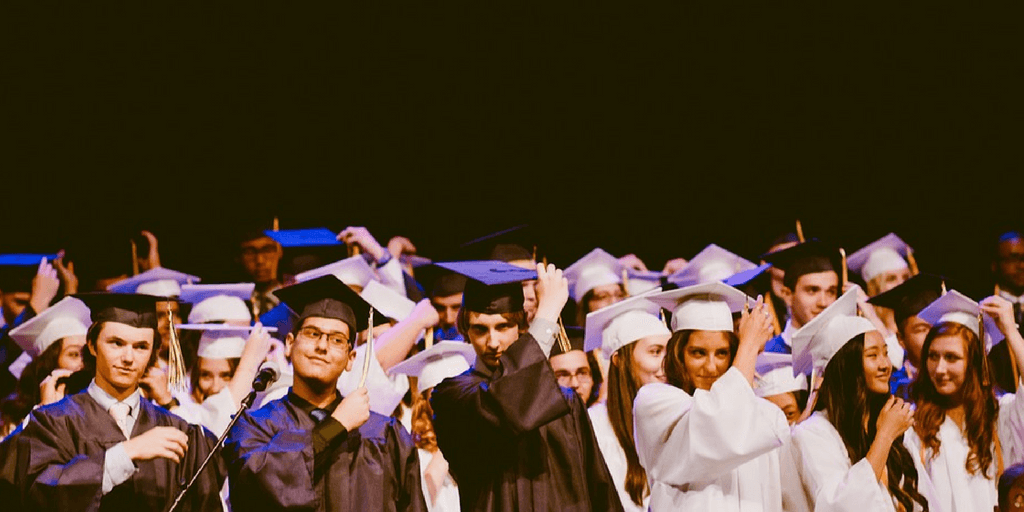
(756, 326)
(552, 292)
(895, 418)
(354, 410)
(66, 275)
(49, 390)
(154, 383)
(165, 442)
(44, 287)
(152, 259)
(1001, 310)
(399, 245)
(425, 314)
(633, 262)
(361, 237)
(674, 265)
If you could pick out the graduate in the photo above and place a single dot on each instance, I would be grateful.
(574, 368)
(882, 265)
(443, 360)
(850, 450)
(810, 283)
(108, 448)
(315, 449)
(906, 301)
(774, 381)
(963, 437)
(633, 340)
(514, 439)
(159, 282)
(703, 437)
(28, 284)
(595, 281)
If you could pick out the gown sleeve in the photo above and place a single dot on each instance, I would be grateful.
(269, 470)
(385, 391)
(1011, 428)
(407, 463)
(682, 439)
(831, 482)
(57, 477)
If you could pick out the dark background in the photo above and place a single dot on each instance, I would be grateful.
(646, 128)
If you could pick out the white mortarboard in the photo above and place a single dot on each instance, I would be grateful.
(702, 307)
(956, 307)
(814, 344)
(387, 301)
(160, 282)
(622, 323)
(711, 264)
(775, 375)
(597, 268)
(641, 282)
(443, 360)
(218, 302)
(883, 255)
(354, 271)
(69, 317)
(219, 341)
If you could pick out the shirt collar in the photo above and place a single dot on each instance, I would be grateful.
(1011, 297)
(307, 407)
(787, 332)
(106, 400)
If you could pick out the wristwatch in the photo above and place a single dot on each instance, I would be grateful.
(171, 404)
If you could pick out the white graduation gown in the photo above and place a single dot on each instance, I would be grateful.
(614, 456)
(955, 490)
(831, 482)
(447, 497)
(214, 413)
(715, 450)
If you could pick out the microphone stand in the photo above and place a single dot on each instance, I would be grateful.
(246, 403)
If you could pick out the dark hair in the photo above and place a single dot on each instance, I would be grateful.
(1009, 477)
(675, 365)
(36, 371)
(846, 401)
(516, 317)
(622, 389)
(93, 335)
(584, 305)
(980, 407)
(194, 376)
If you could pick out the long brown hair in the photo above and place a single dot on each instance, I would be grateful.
(847, 402)
(422, 421)
(675, 365)
(622, 389)
(980, 406)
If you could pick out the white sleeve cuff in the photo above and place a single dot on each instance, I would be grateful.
(543, 331)
(117, 467)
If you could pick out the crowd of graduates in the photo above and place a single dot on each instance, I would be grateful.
(803, 379)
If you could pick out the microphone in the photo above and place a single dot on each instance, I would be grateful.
(268, 374)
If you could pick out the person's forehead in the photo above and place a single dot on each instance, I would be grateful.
(261, 242)
(607, 288)
(822, 279)
(873, 339)
(213, 365)
(571, 359)
(449, 300)
(948, 343)
(126, 332)
(1012, 246)
(326, 324)
(486, 319)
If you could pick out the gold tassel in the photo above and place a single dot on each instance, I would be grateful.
(535, 256)
(943, 286)
(912, 262)
(135, 258)
(368, 353)
(996, 289)
(277, 224)
(664, 318)
(563, 338)
(799, 231)
(625, 281)
(176, 378)
(846, 271)
(428, 338)
(984, 357)
(776, 328)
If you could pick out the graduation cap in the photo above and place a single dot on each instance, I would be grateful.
(69, 317)
(597, 268)
(387, 301)
(353, 271)
(809, 257)
(161, 282)
(887, 254)
(439, 281)
(306, 249)
(219, 341)
(18, 270)
(640, 282)
(327, 297)
(774, 375)
(492, 287)
(132, 309)
(910, 297)
(713, 263)
(312, 237)
(958, 308)
(218, 302)
(279, 317)
(615, 326)
(815, 343)
(702, 307)
(443, 360)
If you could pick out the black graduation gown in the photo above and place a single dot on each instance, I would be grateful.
(64, 445)
(273, 465)
(517, 441)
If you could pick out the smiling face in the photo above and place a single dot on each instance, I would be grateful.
(707, 356)
(648, 356)
(70, 357)
(877, 368)
(320, 351)
(214, 374)
(812, 293)
(947, 364)
(122, 356)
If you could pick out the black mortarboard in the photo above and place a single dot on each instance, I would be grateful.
(328, 297)
(492, 287)
(575, 341)
(133, 309)
(809, 257)
(909, 298)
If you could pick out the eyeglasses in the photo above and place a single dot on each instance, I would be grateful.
(336, 339)
(565, 377)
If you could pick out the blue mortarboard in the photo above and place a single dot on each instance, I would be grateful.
(280, 317)
(24, 260)
(313, 237)
(17, 270)
(492, 287)
(742, 278)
